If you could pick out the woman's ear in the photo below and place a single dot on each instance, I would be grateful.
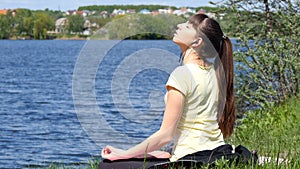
(197, 43)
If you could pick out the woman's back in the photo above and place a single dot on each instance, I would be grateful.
(198, 127)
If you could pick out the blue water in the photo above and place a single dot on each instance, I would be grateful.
(39, 124)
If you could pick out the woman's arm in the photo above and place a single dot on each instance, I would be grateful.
(172, 114)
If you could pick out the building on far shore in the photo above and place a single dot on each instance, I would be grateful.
(5, 11)
(61, 25)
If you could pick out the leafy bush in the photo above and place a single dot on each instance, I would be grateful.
(268, 53)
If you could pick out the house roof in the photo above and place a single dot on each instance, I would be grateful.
(3, 11)
(61, 22)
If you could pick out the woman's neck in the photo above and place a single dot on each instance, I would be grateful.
(183, 48)
(192, 57)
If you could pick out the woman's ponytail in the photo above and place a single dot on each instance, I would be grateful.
(228, 116)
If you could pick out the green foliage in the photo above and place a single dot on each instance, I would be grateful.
(25, 22)
(268, 56)
(75, 23)
(42, 23)
(7, 22)
(110, 8)
(31, 24)
(4, 27)
(139, 26)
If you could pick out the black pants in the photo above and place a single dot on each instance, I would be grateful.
(198, 159)
(132, 163)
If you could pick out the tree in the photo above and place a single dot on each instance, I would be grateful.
(4, 27)
(76, 24)
(25, 22)
(42, 23)
(267, 59)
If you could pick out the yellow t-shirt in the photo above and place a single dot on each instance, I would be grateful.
(198, 128)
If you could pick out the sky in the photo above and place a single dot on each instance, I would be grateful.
(74, 4)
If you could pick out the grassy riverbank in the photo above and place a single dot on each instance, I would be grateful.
(273, 133)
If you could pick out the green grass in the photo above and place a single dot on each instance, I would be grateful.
(274, 132)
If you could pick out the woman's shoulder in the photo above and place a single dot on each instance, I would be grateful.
(180, 73)
(186, 69)
(182, 69)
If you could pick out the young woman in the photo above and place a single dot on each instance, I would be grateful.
(200, 109)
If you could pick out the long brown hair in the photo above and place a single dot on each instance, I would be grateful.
(215, 43)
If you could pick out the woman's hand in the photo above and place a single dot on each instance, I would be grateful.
(112, 153)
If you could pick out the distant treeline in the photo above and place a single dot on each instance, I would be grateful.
(36, 24)
(137, 8)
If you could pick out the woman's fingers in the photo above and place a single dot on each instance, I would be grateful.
(112, 153)
(105, 151)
